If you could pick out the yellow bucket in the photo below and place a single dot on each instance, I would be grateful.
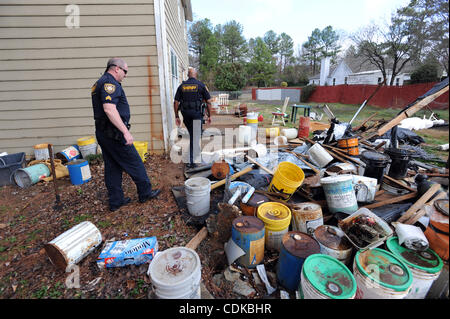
(141, 148)
(272, 131)
(286, 179)
(87, 140)
(276, 218)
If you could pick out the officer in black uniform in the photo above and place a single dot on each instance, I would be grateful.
(112, 116)
(189, 98)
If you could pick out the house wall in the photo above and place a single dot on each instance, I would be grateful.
(47, 70)
(340, 73)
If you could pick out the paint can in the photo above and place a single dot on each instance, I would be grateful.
(41, 152)
(141, 148)
(250, 208)
(339, 193)
(272, 131)
(198, 195)
(365, 188)
(399, 162)
(303, 126)
(87, 146)
(380, 274)
(286, 179)
(73, 245)
(425, 266)
(252, 122)
(295, 248)
(306, 217)
(349, 145)
(325, 277)
(333, 243)
(437, 233)
(69, 154)
(248, 233)
(79, 171)
(277, 218)
(319, 155)
(375, 164)
(25, 177)
(176, 274)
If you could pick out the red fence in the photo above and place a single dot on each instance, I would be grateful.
(386, 97)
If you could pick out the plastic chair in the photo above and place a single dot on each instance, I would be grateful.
(223, 102)
(279, 116)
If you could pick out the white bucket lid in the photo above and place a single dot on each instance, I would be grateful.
(336, 179)
(197, 183)
(174, 267)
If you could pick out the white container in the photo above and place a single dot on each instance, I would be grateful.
(280, 140)
(245, 134)
(73, 245)
(198, 194)
(306, 217)
(176, 274)
(90, 149)
(41, 152)
(290, 133)
(319, 155)
(339, 193)
(422, 282)
(365, 188)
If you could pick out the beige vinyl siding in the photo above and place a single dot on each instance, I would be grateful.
(47, 70)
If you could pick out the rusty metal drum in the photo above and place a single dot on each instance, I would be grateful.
(333, 243)
(248, 232)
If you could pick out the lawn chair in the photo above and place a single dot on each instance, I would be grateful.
(279, 116)
(223, 102)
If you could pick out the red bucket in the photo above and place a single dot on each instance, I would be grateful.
(303, 127)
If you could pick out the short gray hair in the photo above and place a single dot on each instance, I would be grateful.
(115, 62)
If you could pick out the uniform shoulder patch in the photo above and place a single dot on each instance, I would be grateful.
(109, 88)
(93, 88)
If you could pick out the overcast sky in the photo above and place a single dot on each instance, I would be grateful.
(297, 18)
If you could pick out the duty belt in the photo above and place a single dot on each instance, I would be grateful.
(191, 105)
(109, 129)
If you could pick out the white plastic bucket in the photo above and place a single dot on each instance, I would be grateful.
(252, 122)
(41, 152)
(176, 274)
(365, 188)
(340, 194)
(280, 140)
(319, 155)
(290, 133)
(73, 245)
(245, 134)
(90, 149)
(198, 194)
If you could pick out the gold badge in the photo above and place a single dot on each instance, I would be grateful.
(109, 88)
(108, 98)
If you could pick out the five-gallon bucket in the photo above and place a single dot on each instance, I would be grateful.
(25, 177)
(290, 133)
(286, 179)
(176, 274)
(87, 146)
(375, 164)
(340, 194)
(295, 248)
(245, 134)
(276, 218)
(380, 274)
(272, 131)
(325, 277)
(333, 243)
(306, 217)
(41, 152)
(141, 148)
(349, 145)
(198, 193)
(69, 154)
(425, 267)
(248, 233)
(319, 155)
(303, 126)
(79, 171)
(252, 122)
(73, 245)
(399, 162)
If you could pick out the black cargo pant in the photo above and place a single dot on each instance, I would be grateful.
(119, 158)
(193, 121)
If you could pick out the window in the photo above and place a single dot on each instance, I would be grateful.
(345, 80)
(397, 81)
(174, 70)
(334, 81)
(379, 80)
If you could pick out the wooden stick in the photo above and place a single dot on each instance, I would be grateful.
(365, 121)
(258, 164)
(234, 176)
(418, 204)
(392, 200)
(197, 239)
(393, 180)
(300, 157)
(421, 212)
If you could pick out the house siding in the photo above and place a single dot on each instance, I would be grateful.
(47, 70)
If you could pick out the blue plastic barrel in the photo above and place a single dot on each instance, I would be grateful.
(79, 171)
(70, 153)
(295, 248)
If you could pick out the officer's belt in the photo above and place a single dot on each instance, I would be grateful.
(191, 105)
(109, 129)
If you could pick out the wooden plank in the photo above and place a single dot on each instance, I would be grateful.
(67, 53)
(393, 200)
(419, 203)
(393, 180)
(234, 176)
(421, 212)
(197, 239)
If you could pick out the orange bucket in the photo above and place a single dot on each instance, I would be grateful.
(437, 234)
(349, 145)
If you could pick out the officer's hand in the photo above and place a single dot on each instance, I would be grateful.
(128, 138)
(178, 121)
(209, 120)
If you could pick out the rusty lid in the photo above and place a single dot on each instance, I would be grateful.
(248, 224)
(300, 244)
(332, 237)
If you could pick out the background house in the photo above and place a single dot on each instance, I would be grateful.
(51, 53)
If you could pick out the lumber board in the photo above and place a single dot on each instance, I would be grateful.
(419, 203)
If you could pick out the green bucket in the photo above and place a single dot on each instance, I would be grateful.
(25, 177)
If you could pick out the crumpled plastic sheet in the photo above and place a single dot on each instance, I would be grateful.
(272, 159)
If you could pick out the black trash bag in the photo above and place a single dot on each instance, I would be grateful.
(405, 136)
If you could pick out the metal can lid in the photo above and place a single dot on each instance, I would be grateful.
(274, 213)
(384, 268)
(427, 260)
(329, 276)
(300, 244)
(332, 237)
(248, 224)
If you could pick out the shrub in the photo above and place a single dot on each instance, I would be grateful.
(306, 92)
(425, 73)
(284, 84)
